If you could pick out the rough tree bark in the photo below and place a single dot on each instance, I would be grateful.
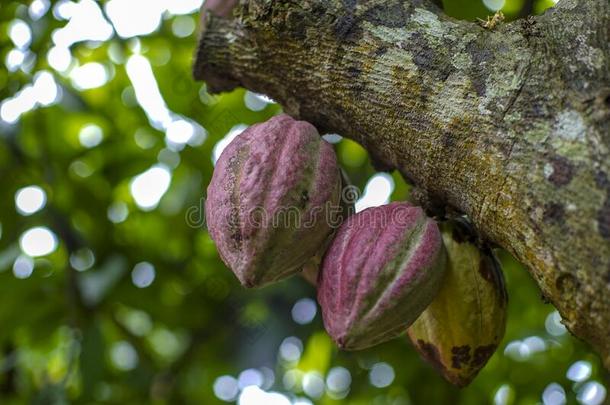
(509, 126)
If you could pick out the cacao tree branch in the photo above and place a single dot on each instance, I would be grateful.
(508, 126)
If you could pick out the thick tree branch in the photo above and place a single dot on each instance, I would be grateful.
(509, 126)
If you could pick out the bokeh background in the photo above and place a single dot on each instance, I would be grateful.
(111, 290)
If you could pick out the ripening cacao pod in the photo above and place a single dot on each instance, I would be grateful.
(382, 269)
(273, 200)
(349, 195)
(463, 326)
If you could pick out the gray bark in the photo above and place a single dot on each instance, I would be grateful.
(508, 126)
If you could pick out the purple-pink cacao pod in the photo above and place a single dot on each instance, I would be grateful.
(273, 200)
(383, 268)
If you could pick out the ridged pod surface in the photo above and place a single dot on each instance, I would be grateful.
(349, 195)
(463, 326)
(381, 271)
(273, 200)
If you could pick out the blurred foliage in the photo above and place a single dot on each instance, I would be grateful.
(134, 305)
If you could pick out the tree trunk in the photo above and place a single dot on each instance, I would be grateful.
(509, 126)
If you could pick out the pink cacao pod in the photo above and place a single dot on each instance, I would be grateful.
(383, 268)
(273, 200)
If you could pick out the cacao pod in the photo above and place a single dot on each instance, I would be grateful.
(349, 195)
(382, 269)
(463, 326)
(273, 200)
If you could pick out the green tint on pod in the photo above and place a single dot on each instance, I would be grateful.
(461, 329)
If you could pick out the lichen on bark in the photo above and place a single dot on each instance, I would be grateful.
(509, 126)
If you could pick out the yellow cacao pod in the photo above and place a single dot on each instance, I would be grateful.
(463, 326)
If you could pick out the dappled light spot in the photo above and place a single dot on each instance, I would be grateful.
(59, 58)
(553, 324)
(332, 138)
(38, 241)
(291, 349)
(255, 396)
(182, 6)
(116, 53)
(225, 388)
(381, 375)
(147, 91)
(503, 395)
(23, 267)
(180, 132)
(250, 377)
(592, 393)
(29, 63)
(148, 188)
(269, 377)
(183, 26)
(81, 169)
(292, 380)
(89, 76)
(118, 212)
(30, 200)
(205, 97)
(43, 92)
(494, 5)
(128, 97)
(338, 380)
(143, 275)
(20, 33)
(161, 56)
(535, 344)
(144, 138)
(90, 135)
(168, 344)
(137, 322)
(135, 45)
(516, 350)
(38, 8)
(134, 17)
(46, 90)
(63, 9)
(256, 102)
(523, 350)
(86, 23)
(184, 131)
(313, 384)
(142, 17)
(579, 371)
(169, 158)
(554, 394)
(124, 356)
(304, 311)
(82, 260)
(14, 59)
(377, 192)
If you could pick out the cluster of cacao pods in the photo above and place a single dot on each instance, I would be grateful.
(275, 206)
